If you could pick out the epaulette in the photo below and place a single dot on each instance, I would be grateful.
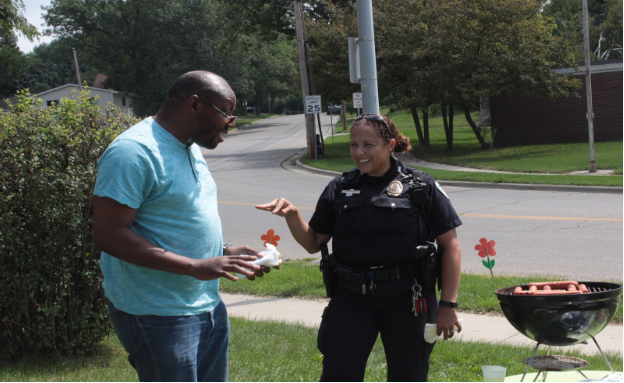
(351, 175)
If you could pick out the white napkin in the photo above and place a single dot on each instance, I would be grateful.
(271, 258)
(431, 331)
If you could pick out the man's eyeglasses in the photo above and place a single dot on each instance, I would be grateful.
(229, 118)
(374, 117)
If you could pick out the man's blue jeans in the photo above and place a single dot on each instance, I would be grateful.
(175, 348)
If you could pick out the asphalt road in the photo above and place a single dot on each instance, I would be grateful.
(565, 234)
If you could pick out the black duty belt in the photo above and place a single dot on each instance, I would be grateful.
(365, 281)
(381, 275)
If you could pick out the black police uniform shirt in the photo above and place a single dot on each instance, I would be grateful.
(439, 211)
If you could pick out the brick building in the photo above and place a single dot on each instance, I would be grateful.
(524, 121)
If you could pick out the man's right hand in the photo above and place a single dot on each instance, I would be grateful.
(216, 267)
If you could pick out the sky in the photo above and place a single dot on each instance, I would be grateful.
(33, 14)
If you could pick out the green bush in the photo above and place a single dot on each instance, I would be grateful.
(51, 296)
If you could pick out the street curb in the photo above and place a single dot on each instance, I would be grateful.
(493, 185)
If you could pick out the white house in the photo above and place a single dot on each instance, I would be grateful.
(104, 96)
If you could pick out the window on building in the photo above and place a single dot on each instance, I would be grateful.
(52, 102)
(123, 101)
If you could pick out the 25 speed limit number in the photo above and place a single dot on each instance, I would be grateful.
(313, 104)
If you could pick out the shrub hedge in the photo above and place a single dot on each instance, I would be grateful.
(51, 296)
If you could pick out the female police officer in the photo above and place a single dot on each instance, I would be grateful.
(381, 216)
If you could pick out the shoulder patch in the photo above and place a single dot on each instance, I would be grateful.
(442, 190)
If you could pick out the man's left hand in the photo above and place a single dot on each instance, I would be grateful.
(447, 321)
(246, 250)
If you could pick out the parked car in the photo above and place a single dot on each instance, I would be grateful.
(333, 110)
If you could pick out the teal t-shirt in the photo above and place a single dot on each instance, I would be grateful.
(168, 182)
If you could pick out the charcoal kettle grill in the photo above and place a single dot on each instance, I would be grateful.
(561, 320)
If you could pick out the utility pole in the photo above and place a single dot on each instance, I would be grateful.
(368, 64)
(311, 79)
(588, 92)
(305, 87)
(77, 70)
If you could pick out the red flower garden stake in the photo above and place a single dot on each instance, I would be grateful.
(270, 237)
(486, 249)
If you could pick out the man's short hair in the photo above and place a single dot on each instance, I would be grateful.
(202, 83)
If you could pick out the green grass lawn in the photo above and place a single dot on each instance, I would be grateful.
(533, 159)
(404, 120)
(301, 279)
(280, 352)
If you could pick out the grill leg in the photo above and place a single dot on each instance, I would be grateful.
(584, 376)
(530, 361)
(603, 355)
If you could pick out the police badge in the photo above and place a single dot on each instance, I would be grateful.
(395, 188)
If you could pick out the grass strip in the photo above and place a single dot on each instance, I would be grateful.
(281, 352)
(300, 279)
(248, 119)
(450, 175)
(533, 179)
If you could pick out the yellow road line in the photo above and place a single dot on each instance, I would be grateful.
(535, 217)
(253, 204)
(541, 217)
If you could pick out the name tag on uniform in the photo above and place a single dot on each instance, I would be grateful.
(350, 192)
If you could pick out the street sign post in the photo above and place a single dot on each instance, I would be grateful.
(357, 101)
(313, 106)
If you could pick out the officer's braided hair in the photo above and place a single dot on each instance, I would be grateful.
(402, 142)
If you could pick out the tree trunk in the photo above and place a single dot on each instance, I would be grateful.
(421, 140)
(343, 115)
(446, 126)
(449, 142)
(475, 129)
(258, 105)
(426, 128)
(271, 104)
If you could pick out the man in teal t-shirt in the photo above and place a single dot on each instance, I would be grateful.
(157, 221)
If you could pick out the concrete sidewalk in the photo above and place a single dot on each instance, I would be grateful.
(479, 328)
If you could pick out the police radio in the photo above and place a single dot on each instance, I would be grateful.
(418, 194)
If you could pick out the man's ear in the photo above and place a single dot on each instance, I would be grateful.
(192, 104)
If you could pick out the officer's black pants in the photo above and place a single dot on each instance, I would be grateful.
(351, 324)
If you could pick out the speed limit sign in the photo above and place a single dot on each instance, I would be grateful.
(313, 104)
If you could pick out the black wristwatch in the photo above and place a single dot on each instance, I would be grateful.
(452, 305)
(225, 246)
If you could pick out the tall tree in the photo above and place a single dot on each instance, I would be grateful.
(605, 24)
(329, 55)
(145, 45)
(275, 17)
(274, 69)
(500, 47)
(13, 21)
(12, 62)
(457, 51)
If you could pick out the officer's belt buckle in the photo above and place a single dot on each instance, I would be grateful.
(379, 274)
